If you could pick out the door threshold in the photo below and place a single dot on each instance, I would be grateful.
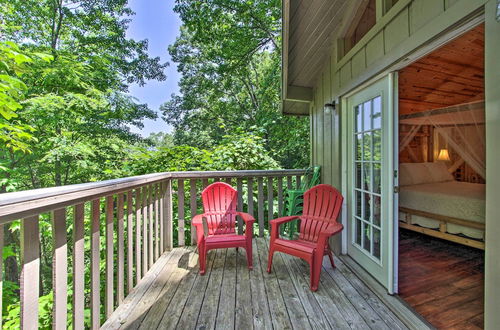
(398, 306)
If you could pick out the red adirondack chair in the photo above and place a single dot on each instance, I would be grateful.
(219, 205)
(318, 222)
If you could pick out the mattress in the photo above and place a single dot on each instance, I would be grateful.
(460, 200)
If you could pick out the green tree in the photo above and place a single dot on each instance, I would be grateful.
(228, 53)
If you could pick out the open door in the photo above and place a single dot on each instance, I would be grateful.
(369, 127)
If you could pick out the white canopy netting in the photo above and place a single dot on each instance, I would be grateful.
(460, 127)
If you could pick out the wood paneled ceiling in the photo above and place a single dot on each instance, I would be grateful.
(314, 28)
(452, 74)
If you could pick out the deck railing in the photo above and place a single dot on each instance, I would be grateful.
(129, 223)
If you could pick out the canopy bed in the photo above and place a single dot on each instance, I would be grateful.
(436, 198)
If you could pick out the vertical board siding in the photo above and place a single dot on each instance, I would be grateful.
(109, 256)
(192, 196)
(95, 302)
(59, 269)
(130, 242)
(260, 205)
(30, 272)
(180, 207)
(78, 266)
(120, 250)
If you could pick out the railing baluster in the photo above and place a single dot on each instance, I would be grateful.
(239, 187)
(109, 256)
(168, 227)
(228, 181)
(260, 205)
(151, 198)
(95, 302)
(138, 236)
(162, 216)
(298, 181)
(130, 242)
(120, 251)
(78, 266)
(157, 224)
(289, 182)
(180, 208)
(270, 201)
(192, 196)
(30, 272)
(145, 218)
(204, 182)
(280, 196)
(59, 269)
(250, 195)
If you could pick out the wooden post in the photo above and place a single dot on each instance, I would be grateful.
(270, 201)
(151, 237)
(157, 197)
(109, 256)
(145, 219)
(169, 228)
(239, 187)
(250, 195)
(130, 242)
(280, 196)
(78, 266)
(59, 269)
(30, 272)
(260, 205)
(121, 250)
(138, 239)
(95, 302)
(180, 207)
(192, 196)
(162, 202)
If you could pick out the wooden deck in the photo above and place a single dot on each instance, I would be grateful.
(173, 295)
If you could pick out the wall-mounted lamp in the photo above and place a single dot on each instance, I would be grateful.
(329, 107)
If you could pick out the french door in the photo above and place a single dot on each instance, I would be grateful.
(370, 158)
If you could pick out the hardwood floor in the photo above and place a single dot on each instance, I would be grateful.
(173, 295)
(441, 280)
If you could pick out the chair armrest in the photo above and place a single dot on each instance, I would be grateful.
(246, 217)
(275, 225)
(197, 220)
(324, 235)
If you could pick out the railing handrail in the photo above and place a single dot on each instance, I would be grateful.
(22, 204)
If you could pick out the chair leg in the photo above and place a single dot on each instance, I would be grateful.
(203, 257)
(312, 284)
(316, 264)
(270, 259)
(249, 255)
(330, 256)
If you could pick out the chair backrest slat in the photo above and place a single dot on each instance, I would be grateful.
(322, 205)
(219, 205)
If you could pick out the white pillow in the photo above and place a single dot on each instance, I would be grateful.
(439, 172)
(420, 174)
(405, 178)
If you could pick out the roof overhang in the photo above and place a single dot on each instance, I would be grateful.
(310, 29)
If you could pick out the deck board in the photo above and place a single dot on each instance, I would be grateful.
(230, 296)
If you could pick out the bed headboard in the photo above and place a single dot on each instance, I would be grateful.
(420, 173)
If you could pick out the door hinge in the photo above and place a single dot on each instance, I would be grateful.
(396, 189)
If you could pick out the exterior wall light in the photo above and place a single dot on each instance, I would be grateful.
(329, 107)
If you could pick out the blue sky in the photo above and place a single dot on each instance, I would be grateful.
(156, 21)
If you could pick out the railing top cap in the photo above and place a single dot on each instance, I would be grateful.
(83, 192)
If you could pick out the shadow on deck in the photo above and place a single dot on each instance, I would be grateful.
(173, 295)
